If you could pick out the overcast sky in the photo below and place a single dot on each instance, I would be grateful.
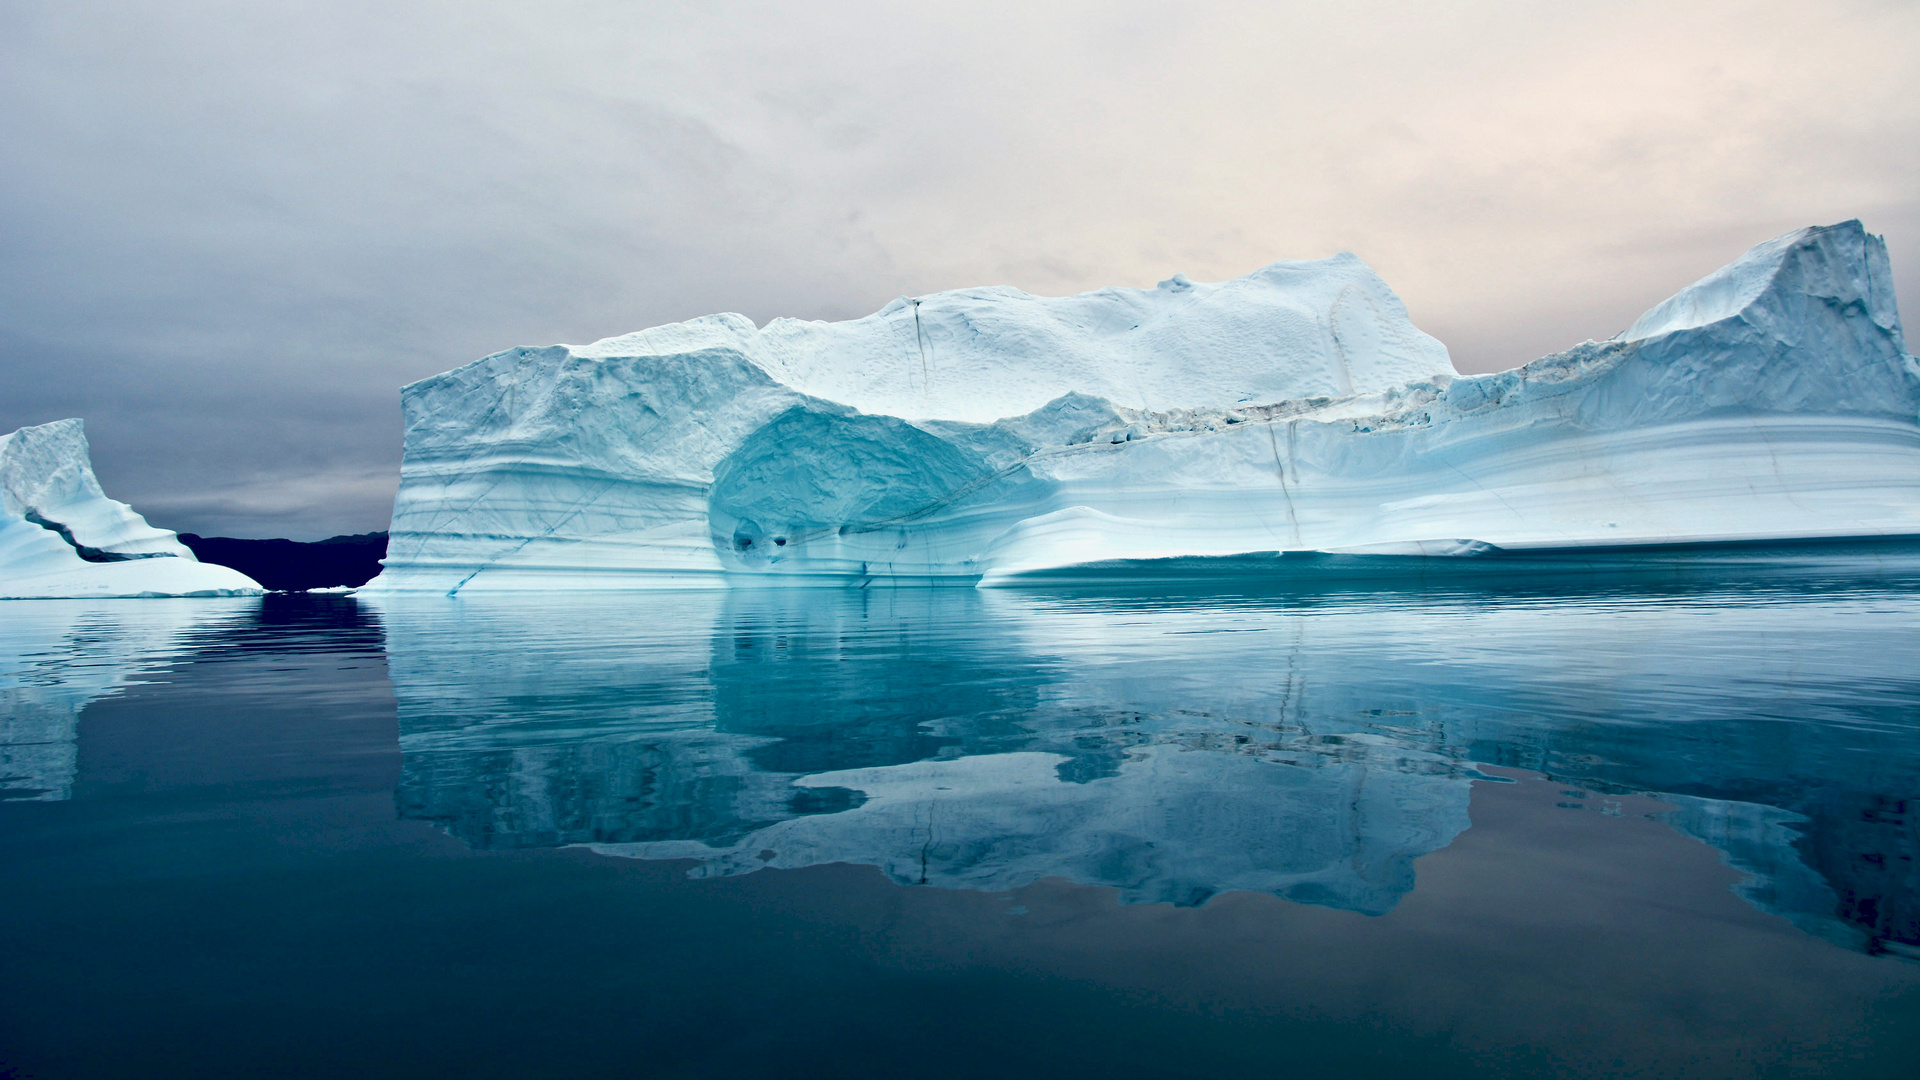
(231, 231)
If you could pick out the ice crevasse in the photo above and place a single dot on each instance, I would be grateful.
(60, 536)
(990, 436)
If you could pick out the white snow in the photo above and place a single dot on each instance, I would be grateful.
(985, 434)
(60, 536)
(1291, 330)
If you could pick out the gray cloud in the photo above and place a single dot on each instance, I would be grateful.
(233, 230)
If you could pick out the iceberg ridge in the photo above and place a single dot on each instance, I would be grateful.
(986, 435)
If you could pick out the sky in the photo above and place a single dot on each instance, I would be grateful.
(229, 232)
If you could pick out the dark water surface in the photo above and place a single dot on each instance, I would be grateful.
(1624, 828)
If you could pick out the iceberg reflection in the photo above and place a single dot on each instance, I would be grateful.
(1309, 744)
(56, 656)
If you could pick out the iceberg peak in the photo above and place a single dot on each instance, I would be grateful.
(1842, 264)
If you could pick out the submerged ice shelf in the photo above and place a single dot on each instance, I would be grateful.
(988, 435)
(60, 536)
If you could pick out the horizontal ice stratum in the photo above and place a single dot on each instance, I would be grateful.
(60, 536)
(986, 435)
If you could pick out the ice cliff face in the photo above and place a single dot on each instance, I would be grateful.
(60, 536)
(990, 435)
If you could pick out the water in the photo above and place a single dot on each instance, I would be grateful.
(1630, 826)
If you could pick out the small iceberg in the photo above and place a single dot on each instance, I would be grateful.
(60, 536)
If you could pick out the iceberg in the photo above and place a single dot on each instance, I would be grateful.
(61, 537)
(989, 436)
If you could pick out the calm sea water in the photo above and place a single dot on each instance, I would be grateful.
(1622, 827)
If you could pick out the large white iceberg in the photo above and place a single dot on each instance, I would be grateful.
(60, 536)
(988, 435)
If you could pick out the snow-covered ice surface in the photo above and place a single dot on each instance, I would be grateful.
(987, 435)
(60, 536)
